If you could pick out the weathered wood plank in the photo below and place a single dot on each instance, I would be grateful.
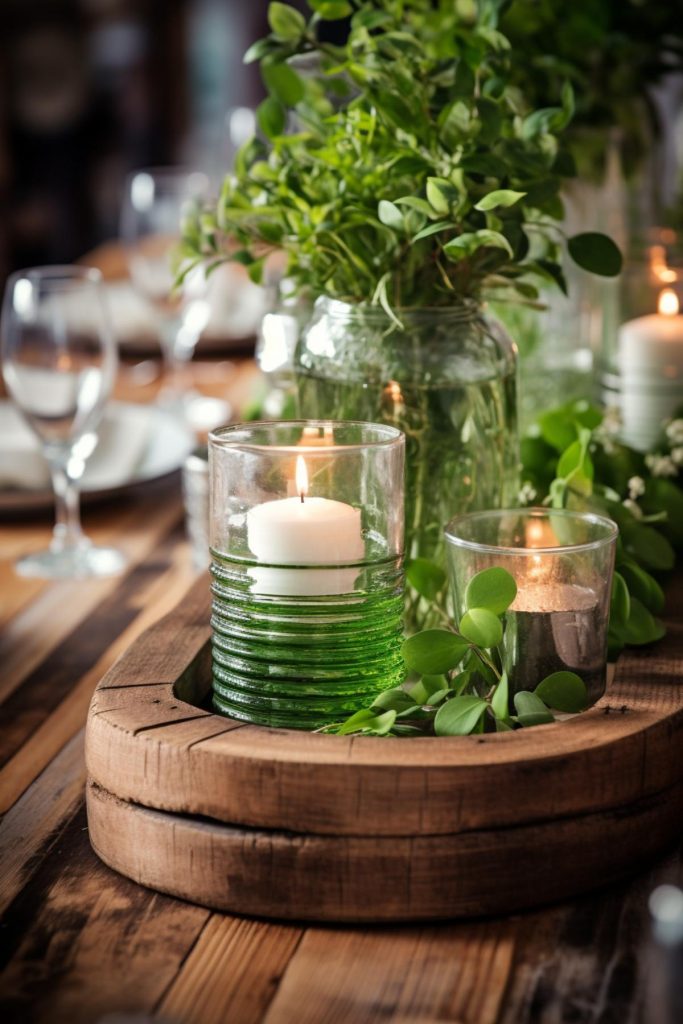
(77, 653)
(35, 633)
(67, 718)
(449, 973)
(39, 813)
(93, 943)
(232, 973)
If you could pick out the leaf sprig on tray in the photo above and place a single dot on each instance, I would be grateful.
(462, 686)
(404, 168)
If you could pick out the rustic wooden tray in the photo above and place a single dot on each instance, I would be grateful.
(280, 823)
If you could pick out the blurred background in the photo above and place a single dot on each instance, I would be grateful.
(92, 89)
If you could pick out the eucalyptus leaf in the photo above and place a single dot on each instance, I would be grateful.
(564, 691)
(531, 710)
(459, 716)
(642, 627)
(494, 589)
(500, 699)
(500, 197)
(426, 577)
(595, 252)
(482, 627)
(434, 651)
(285, 21)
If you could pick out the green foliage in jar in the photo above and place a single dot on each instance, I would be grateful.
(404, 168)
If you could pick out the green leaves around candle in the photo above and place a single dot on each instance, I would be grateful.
(459, 716)
(481, 627)
(494, 589)
(434, 651)
(425, 577)
(530, 709)
(563, 691)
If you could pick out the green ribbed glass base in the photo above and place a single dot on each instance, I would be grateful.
(304, 661)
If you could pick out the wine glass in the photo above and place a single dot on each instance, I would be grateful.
(59, 361)
(156, 202)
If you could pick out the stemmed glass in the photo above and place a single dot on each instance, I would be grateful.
(156, 203)
(59, 361)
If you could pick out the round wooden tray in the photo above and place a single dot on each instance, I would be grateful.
(282, 823)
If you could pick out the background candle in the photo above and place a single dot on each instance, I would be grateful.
(651, 369)
(307, 533)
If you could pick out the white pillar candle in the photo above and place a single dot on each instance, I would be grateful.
(651, 368)
(304, 532)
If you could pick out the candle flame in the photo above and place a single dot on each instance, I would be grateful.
(301, 477)
(668, 302)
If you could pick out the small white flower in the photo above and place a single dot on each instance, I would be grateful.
(527, 493)
(661, 465)
(636, 487)
(633, 507)
(677, 455)
(611, 421)
(674, 432)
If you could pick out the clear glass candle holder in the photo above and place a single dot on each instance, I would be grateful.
(562, 563)
(306, 534)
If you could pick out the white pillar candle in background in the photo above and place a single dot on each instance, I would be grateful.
(304, 531)
(651, 369)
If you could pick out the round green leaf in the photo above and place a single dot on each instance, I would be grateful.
(426, 577)
(643, 586)
(390, 215)
(649, 546)
(270, 117)
(531, 710)
(395, 699)
(433, 651)
(481, 627)
(459, 716)
(331, 10)
(620, 606)
(285, 21)
(564, 691)
(596, 253)
(494, 589)
(642, 627)
(283, 83)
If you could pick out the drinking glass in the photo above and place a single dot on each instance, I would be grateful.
(59, 361)
(156, 203)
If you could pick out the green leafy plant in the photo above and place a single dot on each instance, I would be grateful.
(612, 51)
(572, 457)
(403, 169)
(462, 687)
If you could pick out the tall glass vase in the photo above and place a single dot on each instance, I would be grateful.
(446, 378)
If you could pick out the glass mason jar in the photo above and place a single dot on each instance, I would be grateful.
(447, 380)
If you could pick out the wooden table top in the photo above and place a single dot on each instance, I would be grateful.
(79, 943)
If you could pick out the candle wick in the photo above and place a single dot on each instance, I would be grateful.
(302, 497)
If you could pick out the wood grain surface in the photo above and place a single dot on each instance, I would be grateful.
(80, 944)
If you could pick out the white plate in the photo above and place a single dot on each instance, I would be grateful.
(137, 444)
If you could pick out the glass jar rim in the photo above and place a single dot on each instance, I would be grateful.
(223, 437)
(69, 273)
(463, 309)
(610, 528)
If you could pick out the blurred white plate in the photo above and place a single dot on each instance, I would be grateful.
(137, 444)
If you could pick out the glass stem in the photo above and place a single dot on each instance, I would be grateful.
(174, 375)
(67, 532)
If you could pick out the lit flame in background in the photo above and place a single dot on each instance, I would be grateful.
(301, 477)
(659, 266)
(668, 302)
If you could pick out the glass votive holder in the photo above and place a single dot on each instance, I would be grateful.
(562, 563)
(306, 535)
